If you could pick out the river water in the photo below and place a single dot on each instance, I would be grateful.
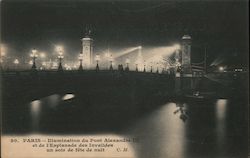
(193, 129)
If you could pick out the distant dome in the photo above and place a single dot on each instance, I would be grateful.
(186, 37)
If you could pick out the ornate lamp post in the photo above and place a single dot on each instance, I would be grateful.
(111, 62)
(60, 56)
(97, 58)
(151, 67)
(80, 60)
(127, 63)
(33, 55)
(144, 66)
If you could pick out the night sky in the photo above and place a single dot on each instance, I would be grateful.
(220, 26)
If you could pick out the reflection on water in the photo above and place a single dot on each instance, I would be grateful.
(221, 107)
(161, 134)
(174, 129)
(208, 132)
(35, 109)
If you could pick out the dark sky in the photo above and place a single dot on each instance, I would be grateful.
(222, 26)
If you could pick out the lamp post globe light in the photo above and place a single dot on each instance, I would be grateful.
(16, 62)
(33, 55)
(80, 58)
(221, 69)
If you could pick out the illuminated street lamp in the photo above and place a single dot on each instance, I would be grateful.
(221, 68)
(144, 66)
(80, 58)
(16, 62)
(111, 62)
(59, 50)
(97, 58)
(33, 55)
(151, 67)
(127, 63)
(2, 55)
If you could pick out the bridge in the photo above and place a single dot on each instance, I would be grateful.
(31, 85)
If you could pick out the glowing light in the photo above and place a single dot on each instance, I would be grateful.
(16, 61)
(33, 53)
(158, 55)
(127, 61)
(3, 50)
(97, 57)
(44, 64)
(35, 107)
(80, 57)
(221, 108)
(42, 55)
(60, 56)
(68, 96)
(139, 61)
(127, 51)
(111, 58)
(59, 48)
(107, 55)
(30, 62)
(221, 68)
(177, 47)
(186, 37)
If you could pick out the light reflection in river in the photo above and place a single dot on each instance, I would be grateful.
(161, 132)
(221, 107)
(35, 107)
(161, 135)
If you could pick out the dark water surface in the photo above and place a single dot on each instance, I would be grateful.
(215, 128)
